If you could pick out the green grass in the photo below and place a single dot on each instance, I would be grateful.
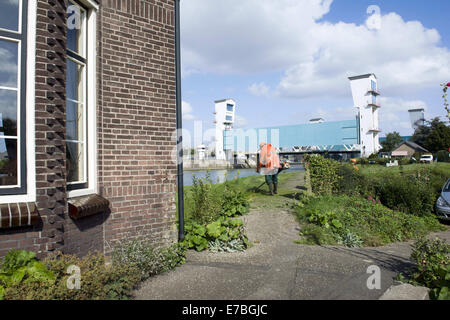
(353, 221)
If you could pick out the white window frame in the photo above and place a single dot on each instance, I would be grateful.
(30, 196)
(91, 101)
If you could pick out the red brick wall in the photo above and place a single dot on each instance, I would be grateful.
(137, 118)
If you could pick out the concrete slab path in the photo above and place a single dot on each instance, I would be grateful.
(277, 268)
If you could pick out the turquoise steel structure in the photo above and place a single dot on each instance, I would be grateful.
(338, 136)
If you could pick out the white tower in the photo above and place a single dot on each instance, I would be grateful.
(365, 98)
(224, 120)
(417, 117)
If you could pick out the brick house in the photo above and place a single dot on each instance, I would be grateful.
(87, 112)
(408, 149)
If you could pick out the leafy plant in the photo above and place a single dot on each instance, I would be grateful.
(205, 204)
(330, 219)
(235, 203)
(224, 230)
(351, 240)
(22, 266)
(433, 266)
(323, 174)
(148, 259)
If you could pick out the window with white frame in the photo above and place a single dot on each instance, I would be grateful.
(80, 98)
(13, 83)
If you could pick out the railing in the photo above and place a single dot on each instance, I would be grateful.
(374, 91)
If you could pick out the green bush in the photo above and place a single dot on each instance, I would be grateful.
(408, 194)
(224, 232)
(98, 281)
(133, 262)
(351, 182)
(148, 259)
(354, 221)
(433, 266)
(234, 202)
(442, 156)
(21, 267)
(412, 189)
(323, 174)
(205, 202)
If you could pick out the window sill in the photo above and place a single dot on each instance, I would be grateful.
(84, 206)
(22, 214)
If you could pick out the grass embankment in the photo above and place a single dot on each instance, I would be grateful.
(354, 222)
(248, 185)
(372, 206)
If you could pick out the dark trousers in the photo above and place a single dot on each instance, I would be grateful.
(272, 179)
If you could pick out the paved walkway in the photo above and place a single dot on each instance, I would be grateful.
(277, 268)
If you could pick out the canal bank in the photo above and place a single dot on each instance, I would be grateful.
(221, 175)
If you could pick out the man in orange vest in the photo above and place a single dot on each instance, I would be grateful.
(269, 166)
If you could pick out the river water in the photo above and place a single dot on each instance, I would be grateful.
(218, 176)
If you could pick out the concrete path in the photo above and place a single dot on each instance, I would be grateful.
(277, 268)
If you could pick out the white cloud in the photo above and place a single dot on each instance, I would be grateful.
(262, 36)
(240, 122)
(187, 111)
(259, 89)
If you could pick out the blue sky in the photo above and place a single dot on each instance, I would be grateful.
(286, 61)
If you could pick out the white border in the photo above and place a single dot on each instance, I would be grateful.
(30, 121)
(91, 105)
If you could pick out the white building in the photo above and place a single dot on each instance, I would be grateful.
(417, 117)
(365, 97)
(224, 120)
(201, 152)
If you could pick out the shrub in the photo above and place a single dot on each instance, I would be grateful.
(323, 174)
(234, 202)
(98, 281)
(442, 156)
(205, 204)
(407, 194)
(351, 182)
(223, 232)
(351, 220)
(433, 266)
(132, 263)
(148, 259)
(20, 267)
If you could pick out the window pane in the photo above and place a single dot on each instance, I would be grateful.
(9, 14)
(74, 121)
(75, 22)
(74, 87)
(75, 162)
(8, 162)
(230, 107)
(8, 112)
(8, 63)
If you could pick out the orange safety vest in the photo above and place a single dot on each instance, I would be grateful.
(268, 157)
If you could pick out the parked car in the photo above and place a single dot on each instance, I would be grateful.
(443, 202)
(426, 158)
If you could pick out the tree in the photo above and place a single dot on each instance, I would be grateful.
(392, 140)
(434, 135)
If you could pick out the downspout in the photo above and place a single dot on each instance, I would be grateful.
(179, 116)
